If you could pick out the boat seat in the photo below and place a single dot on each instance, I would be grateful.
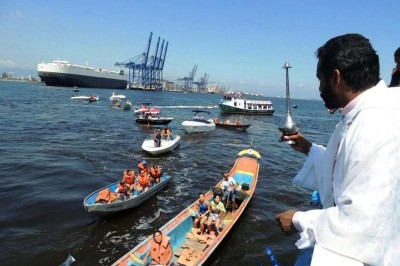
(243, 177)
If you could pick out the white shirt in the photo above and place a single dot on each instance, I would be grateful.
(358, 178)
(228, 184)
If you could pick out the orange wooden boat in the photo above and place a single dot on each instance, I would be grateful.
(190, 248)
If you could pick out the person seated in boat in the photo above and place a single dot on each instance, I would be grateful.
(217, 212)
(238, 122)
(156, 173)
(227, 122)
(143, 181)
(142, 166)
(157, 138)
(216, 120)
(228, 187)
(160, 250)
(202, 210)
(127, 184)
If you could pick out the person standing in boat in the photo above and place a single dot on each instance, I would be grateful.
(160, 250)
(228, 187)
(357, 174)
(395, 81)
(157, 138)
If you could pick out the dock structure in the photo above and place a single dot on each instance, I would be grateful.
(145, 71)
(202, 83)
(188, 80)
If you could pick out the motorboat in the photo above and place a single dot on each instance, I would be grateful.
(168, 143)
(198, 124)
(188, 245)
(117, 96)
(231, 125)
(151, 116)
(90, 98)
(121, 203)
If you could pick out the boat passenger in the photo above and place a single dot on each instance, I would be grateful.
(157, 138)
(228, 187)
(143, 181)
(142, 166)
(166, 132)
(216, 120)
(203, 208)
(217, 211)
(238, 122)
(129, 179)
(160, 250)
(156, 173)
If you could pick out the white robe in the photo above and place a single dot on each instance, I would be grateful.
(361, 195)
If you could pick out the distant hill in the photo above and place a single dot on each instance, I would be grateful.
(19, 72)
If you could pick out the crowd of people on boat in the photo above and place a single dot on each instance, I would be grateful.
(146, 178)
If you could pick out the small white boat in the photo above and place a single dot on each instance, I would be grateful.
(198, 124)
(90, 98)
(168, 144)
(117, 96)
(102, 209)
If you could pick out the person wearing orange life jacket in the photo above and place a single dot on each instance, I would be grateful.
(143, 166)
(160, 250)
(127, 184)
(143, 181)
(156, 173)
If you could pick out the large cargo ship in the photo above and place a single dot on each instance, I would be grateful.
(63, 73)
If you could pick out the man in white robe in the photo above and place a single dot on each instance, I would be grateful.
(358, 174)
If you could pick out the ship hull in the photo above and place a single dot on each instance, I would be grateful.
(236, 110)
(71, 80)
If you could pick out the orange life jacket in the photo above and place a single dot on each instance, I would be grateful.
(106, 196)
(123, 188)
(143, 179)
(160, 252)
(155, 172)
(129, 178)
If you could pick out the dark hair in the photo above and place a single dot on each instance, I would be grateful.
(201, 193)
(155, 232)
(397, 52)
(355, 58)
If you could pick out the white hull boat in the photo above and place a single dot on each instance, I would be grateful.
(103, 209)
(117, 97)
(167, 145)
(85, 98)
(198, 126)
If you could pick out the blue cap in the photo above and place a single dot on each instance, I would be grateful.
(143, 162)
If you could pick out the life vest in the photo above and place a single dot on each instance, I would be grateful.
(155, 172)
(142, 167)
(123, 188)
(160, 252)
(106, 196)
(129, 178)
(143, 179)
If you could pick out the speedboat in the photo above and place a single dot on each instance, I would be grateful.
(198, 124)
(115, 96)
(151, 116)
(90, 98)
(168, 143)
(231, 125)
(188, 246)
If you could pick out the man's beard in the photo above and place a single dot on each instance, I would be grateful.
(330, 99)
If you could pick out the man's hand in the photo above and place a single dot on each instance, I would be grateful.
(285, 221)
(301, 144)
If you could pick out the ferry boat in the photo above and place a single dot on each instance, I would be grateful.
(65, 74)
(236, 103)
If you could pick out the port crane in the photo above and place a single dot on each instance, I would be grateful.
(202, 83)
(144, 71)
(188, 81)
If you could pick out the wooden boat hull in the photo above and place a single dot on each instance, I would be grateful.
(103, 209)
(167, 145)
(233, 126)
(245, 170)
(154, 121)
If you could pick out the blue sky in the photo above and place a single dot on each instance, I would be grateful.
(242, 45)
